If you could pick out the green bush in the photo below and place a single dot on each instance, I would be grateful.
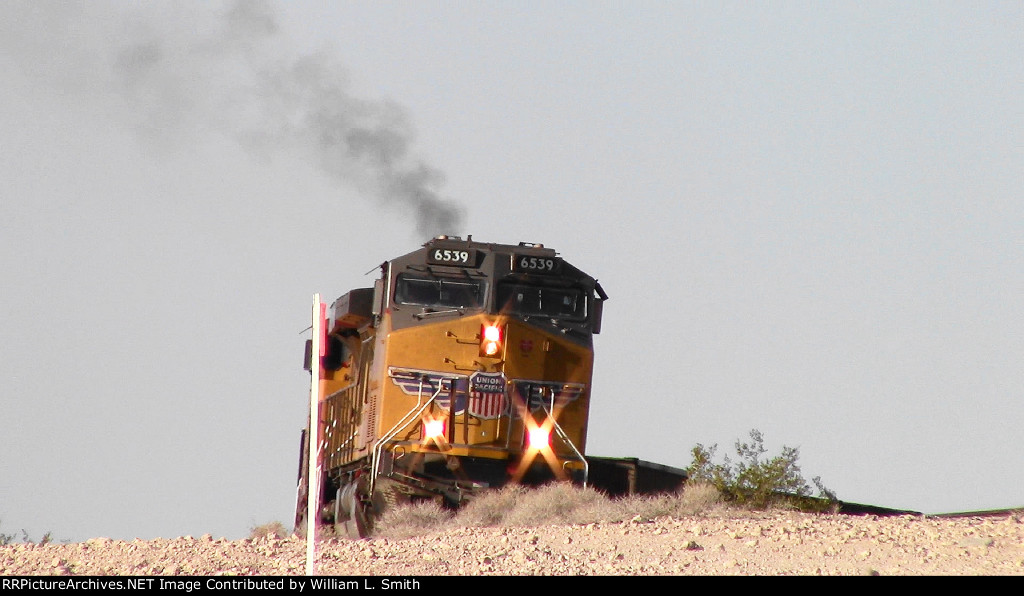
(758, 482)
(6, 539)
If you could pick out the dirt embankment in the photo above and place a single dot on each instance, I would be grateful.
(719, 544)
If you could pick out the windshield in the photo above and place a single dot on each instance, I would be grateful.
(557, 303)
(439, 292)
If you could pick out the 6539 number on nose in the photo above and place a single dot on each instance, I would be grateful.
(465, 257)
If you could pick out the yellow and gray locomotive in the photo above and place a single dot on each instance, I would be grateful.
(465, 367)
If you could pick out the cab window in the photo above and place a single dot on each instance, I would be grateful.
(535, 300)
(450, 293)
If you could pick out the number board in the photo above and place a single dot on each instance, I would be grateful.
(459, 257)
(535, 264)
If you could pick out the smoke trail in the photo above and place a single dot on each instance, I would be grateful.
(234, 74)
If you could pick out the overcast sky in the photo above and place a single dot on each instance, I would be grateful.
(808, 217)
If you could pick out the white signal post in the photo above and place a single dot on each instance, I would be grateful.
(313, 457)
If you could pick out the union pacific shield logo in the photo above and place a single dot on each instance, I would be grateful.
(487, 395)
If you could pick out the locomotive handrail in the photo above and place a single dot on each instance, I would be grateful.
(388, 436)
(565, 437)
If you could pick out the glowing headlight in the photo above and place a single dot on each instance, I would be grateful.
(433, 429)
(538, 438)
(491, 340)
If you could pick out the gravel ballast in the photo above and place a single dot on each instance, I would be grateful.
(771, 543)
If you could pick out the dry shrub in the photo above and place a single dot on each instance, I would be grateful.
(491, 508)
(274, 529)
(555, 503)
(559, 503)
(697, 497)
(563, 503)
(413, 519)
(693, 499)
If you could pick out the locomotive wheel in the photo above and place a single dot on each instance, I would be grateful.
(357, 515)
(353, 520)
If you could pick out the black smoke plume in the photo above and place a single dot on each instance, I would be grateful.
(236, 75)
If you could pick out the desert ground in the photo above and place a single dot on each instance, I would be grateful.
(720, 542)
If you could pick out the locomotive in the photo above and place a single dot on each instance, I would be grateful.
(465, 367)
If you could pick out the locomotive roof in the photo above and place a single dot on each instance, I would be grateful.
(468, 242)
(487, 250)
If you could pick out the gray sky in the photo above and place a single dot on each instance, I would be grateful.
(808, 217)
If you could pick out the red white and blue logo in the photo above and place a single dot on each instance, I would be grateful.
(484, 395)
(487, 395)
